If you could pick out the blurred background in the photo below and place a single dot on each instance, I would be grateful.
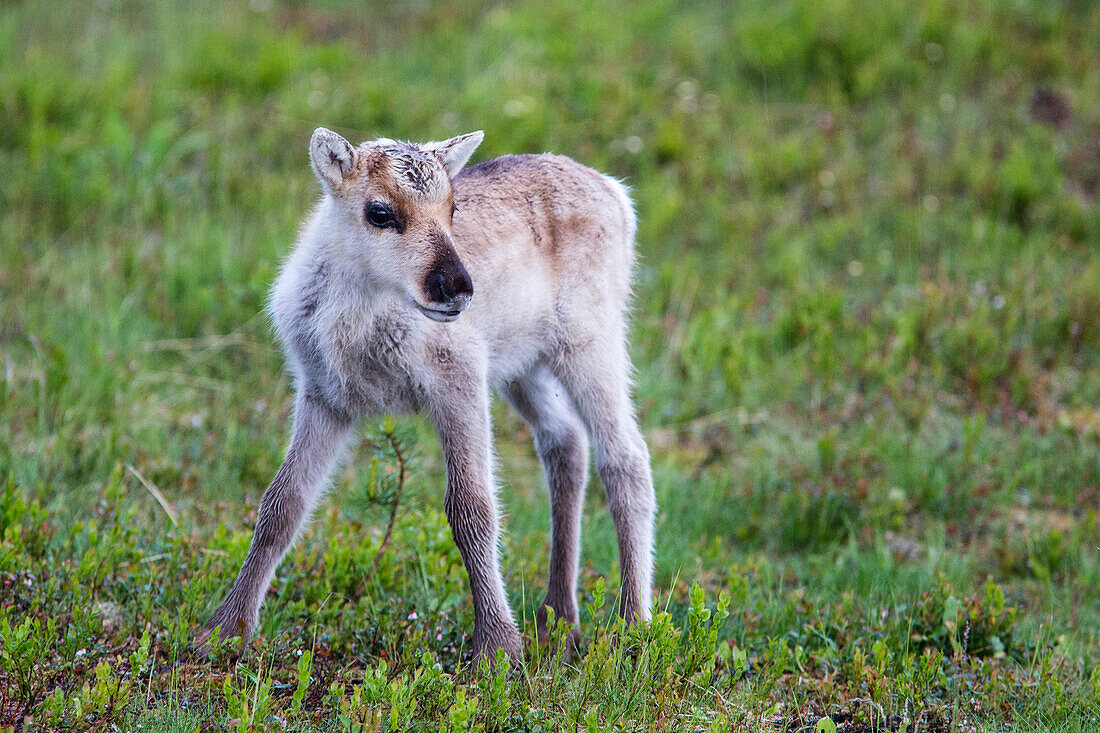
(867, 313)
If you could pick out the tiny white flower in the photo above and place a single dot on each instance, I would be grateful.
(514, 108)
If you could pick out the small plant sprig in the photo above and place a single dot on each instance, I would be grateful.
(249, 709)
(391, 447)
(399, 454)
(700, 639)
(22, 649)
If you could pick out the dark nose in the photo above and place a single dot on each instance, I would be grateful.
(448, 283)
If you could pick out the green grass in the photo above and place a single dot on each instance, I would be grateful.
(866, 332)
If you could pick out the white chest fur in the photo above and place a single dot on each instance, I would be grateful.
(341, 341)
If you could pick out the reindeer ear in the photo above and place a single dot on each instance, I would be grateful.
(455, 152)
(332, 156)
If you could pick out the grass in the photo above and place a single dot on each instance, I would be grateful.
(867, 339)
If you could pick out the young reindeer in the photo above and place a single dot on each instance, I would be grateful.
(417, 285)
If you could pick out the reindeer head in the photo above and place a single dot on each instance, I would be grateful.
(395, 205)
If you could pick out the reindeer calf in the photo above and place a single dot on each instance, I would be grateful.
(377, 311)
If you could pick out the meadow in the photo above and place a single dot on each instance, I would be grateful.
(866, 334)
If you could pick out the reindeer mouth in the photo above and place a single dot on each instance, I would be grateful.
(443, 316)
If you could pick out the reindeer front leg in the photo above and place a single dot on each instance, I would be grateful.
(317, 442)
(461, 415)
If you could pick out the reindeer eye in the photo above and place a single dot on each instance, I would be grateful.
(380, 215)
